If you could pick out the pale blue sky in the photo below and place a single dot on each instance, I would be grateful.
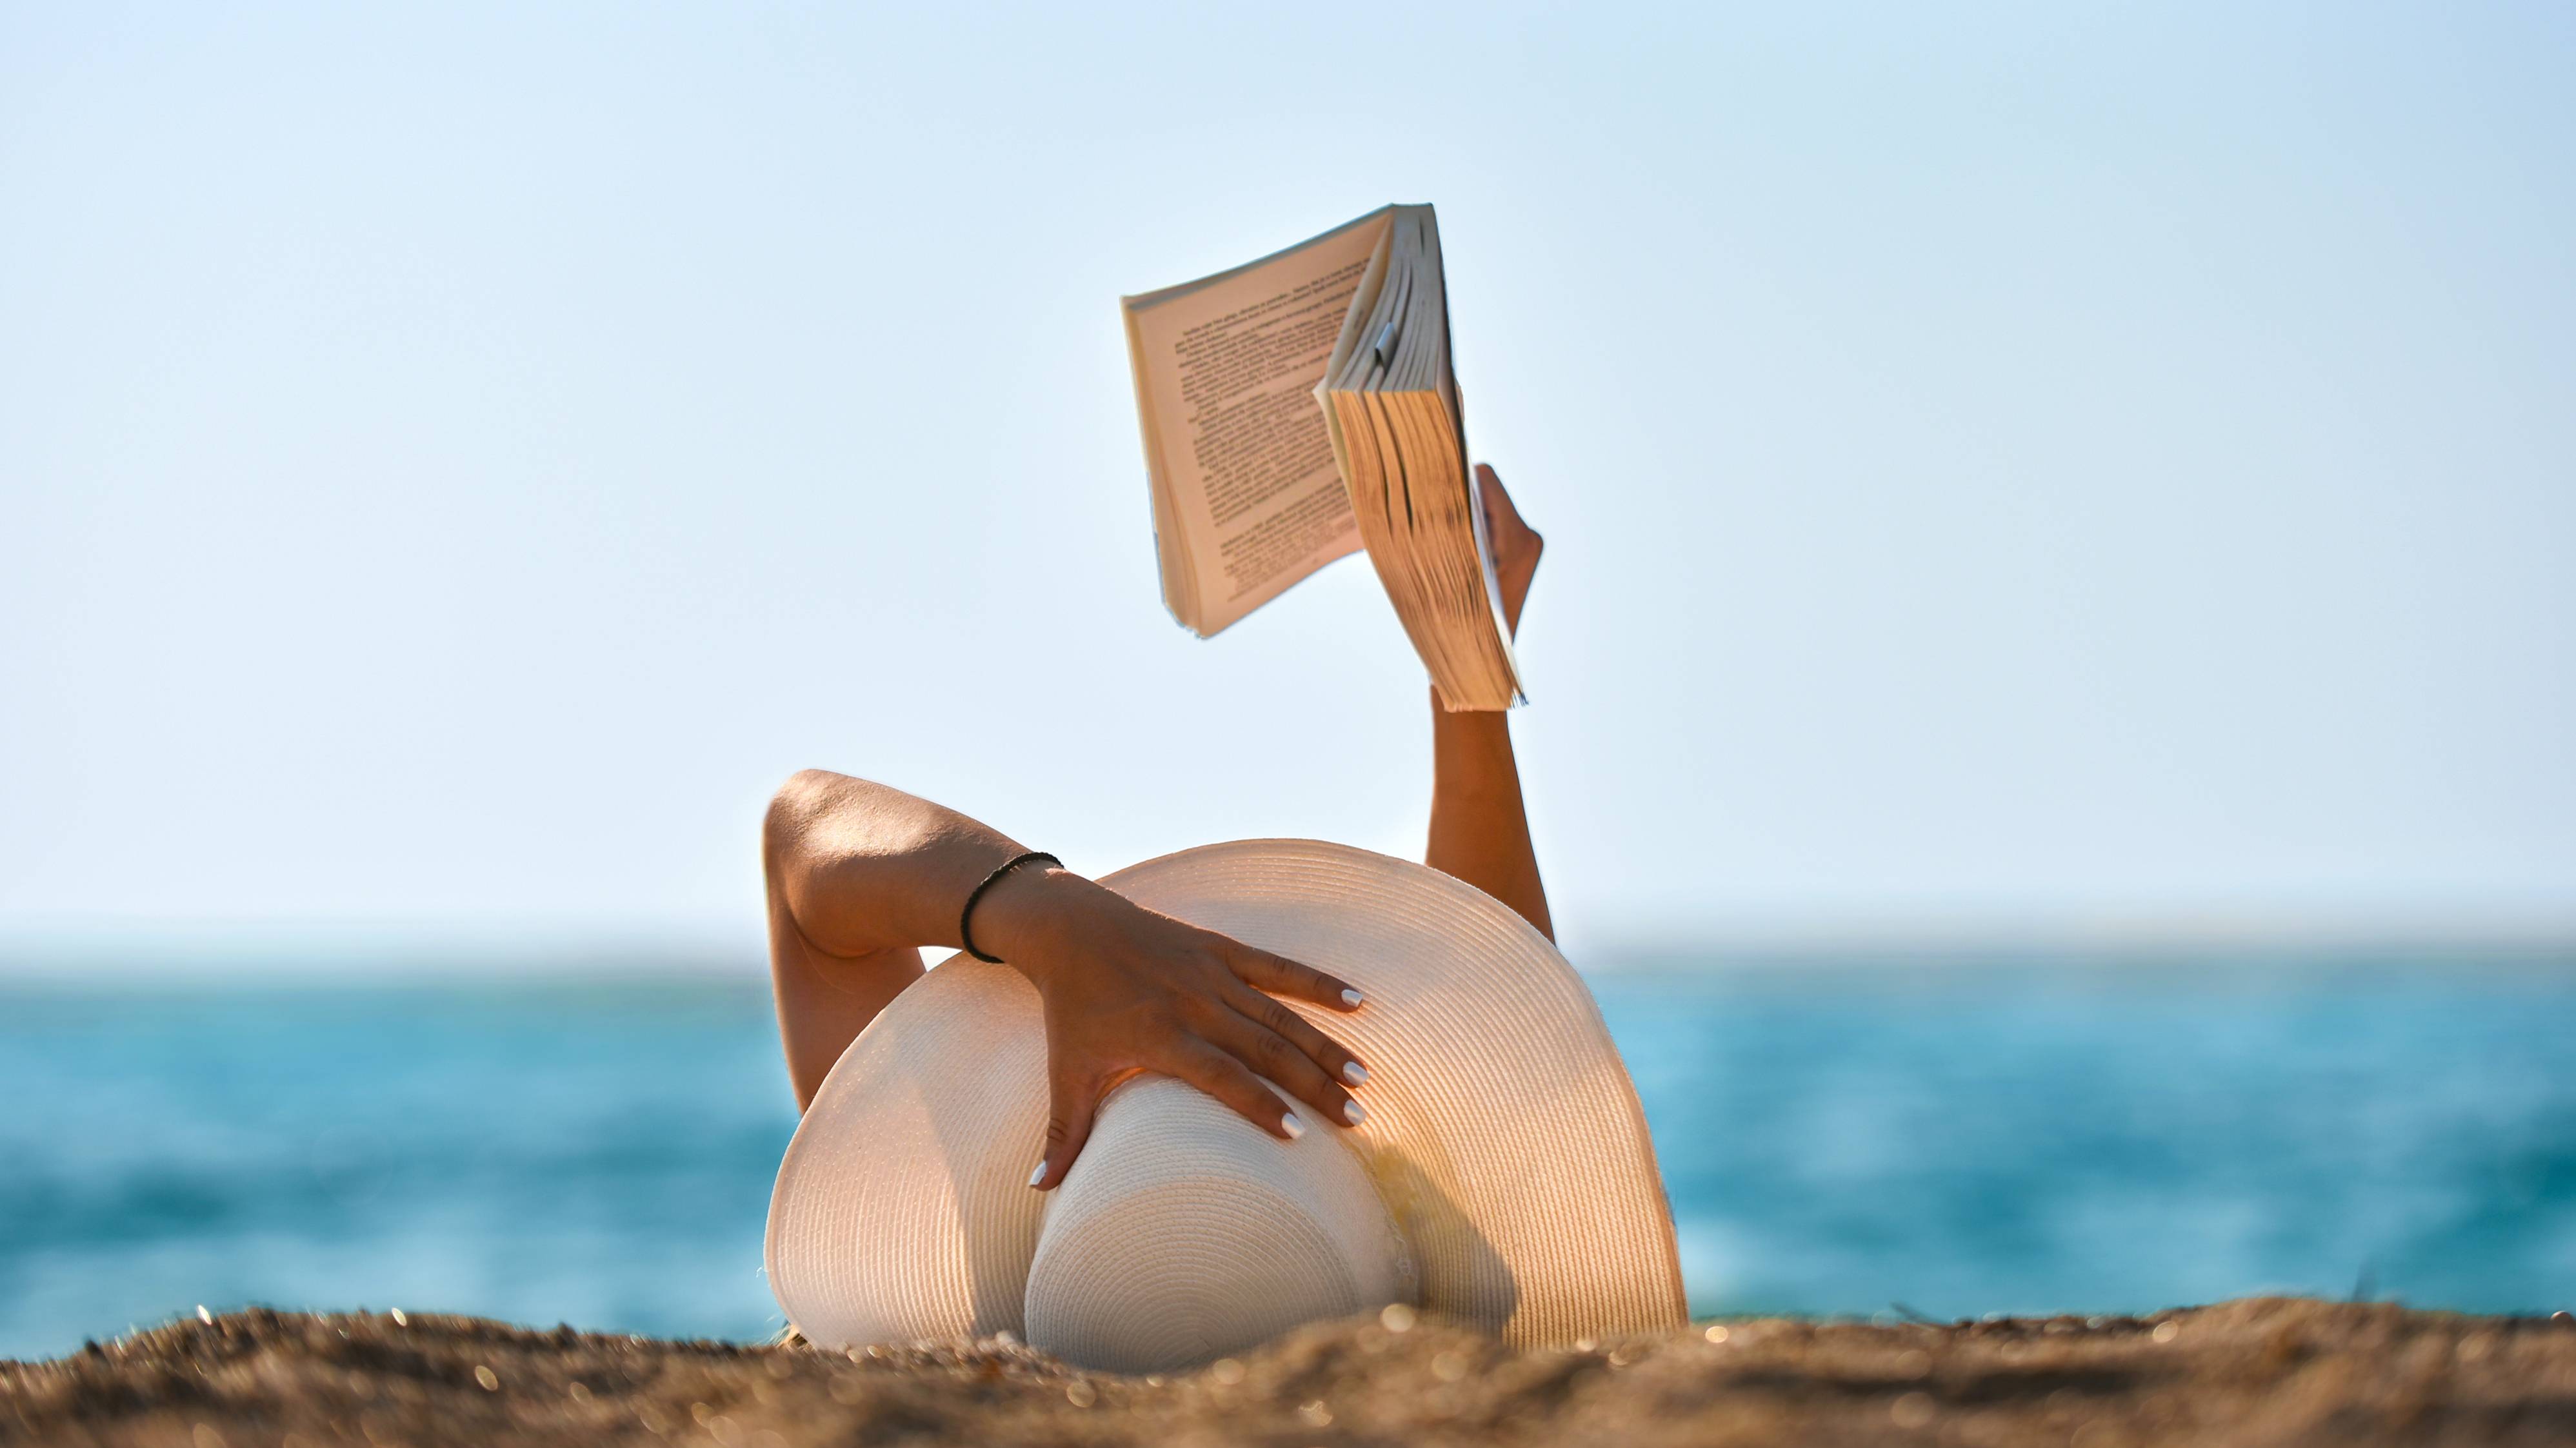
(2005, 467)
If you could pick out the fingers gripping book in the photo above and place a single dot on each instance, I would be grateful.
(1302, 407)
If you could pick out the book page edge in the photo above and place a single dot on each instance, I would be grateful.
(1142, 300)
(1171, 548)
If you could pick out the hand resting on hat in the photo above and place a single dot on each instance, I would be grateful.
(861, 875)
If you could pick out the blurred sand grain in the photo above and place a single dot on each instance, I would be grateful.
(2265, 1370)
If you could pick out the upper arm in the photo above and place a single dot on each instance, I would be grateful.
(860, 875)
(825, 1000)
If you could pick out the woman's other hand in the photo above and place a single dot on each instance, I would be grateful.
(1128, 990)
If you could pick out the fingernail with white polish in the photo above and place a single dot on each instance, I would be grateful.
(1355, 1073)
(1291, 1125)
(1351, 997)
(1354, 1113)
(1038, 1177)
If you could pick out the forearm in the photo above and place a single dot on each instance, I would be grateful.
(1479, 829)
(862, 867)
(859, 876)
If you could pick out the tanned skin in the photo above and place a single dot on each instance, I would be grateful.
(861, 876)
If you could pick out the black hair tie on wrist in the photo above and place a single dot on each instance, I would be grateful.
(965, 934)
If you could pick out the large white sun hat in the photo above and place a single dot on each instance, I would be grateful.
(1503, 1176)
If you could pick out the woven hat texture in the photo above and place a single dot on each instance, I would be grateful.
(1503, 1176)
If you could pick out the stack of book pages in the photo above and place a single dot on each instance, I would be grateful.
(1302, 407)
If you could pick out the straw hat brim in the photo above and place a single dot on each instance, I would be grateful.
(1503, 1131)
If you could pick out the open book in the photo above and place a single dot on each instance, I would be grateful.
(1301, 407)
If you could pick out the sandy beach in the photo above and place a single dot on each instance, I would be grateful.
(2263, 1370)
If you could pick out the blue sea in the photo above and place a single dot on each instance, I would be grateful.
(1839, 1136)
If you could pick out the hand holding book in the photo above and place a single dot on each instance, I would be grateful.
(1512, 545)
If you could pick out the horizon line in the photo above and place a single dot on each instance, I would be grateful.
(409, 952)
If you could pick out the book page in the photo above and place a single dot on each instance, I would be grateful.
(1399, 433)
(1241, 464)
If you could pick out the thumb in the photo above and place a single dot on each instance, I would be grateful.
(1071, 1102)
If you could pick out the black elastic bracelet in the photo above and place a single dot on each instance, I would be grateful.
(965, 935)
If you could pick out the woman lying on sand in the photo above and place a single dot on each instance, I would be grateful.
(888, 1221)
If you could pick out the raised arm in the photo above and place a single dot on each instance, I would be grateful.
(1479, 831)
(861, 875)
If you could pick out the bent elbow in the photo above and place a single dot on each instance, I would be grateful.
(791, 806)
